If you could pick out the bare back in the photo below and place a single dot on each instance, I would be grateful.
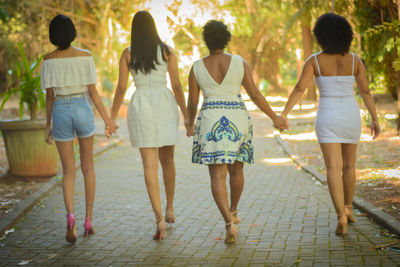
(335, 65)
(217, 66)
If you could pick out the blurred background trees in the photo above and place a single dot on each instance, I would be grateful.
(266, 34)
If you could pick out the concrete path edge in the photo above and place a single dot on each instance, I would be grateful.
(379, 216)
(28, 203)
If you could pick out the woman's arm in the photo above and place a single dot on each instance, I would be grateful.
(49, 112)
(176, 83)
(122, 83)
(110, 124)
(258, 99)
(362, 82)
(193, 101)
(298, 91)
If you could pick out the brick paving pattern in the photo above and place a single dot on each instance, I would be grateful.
(287, 219)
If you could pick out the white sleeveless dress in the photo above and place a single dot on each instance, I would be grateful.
(152, 112)
(338, 117)
(223, 132)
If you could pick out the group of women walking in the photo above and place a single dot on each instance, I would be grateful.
(223, 132)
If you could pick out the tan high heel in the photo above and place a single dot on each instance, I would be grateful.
(231, 233)
(235, 218)
(161, 226)
(349, 213)
(341, 228)
(169, 217)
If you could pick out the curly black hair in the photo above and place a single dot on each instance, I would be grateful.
(216, 35)
(334, 33)
(62, 31)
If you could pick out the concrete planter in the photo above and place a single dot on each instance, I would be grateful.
(27, 152)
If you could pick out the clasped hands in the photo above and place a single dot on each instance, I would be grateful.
(281, 122)
(110, 128)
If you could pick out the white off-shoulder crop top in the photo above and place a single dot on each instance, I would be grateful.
(69, 75)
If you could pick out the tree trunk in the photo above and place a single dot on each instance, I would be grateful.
(307, 48)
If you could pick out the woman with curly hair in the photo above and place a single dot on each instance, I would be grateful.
(338, 123)
(223, 133)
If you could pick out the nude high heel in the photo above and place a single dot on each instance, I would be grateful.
(169, 216)
(349, 213)
(161, 226)
(341, 228)
(71, 235)
(231, 233)
(235, 218)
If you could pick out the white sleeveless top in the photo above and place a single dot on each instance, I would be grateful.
(156, 78)
(338, 117)
(341, 85)
(70, 75)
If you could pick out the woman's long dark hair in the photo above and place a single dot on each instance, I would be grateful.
(144, 43)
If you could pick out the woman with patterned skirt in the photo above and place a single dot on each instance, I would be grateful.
(223, 133)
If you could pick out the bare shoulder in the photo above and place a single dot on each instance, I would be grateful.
(169, 52)
(126, 55)
(52, 54)
(81, 52)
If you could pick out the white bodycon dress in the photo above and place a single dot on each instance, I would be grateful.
(338, 117)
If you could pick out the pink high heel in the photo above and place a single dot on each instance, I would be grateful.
(89, 230)
(71, 235)
(161, 227)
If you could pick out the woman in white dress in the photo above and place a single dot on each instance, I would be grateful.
(67, 74)
(338, 124)
(153, 109)
(223, 134)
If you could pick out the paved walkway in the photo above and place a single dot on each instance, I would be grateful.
(287, 219)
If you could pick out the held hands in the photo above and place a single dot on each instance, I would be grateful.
(111, 128)
(281, 123)
(189, 128)
(375, 129)
(49, 135)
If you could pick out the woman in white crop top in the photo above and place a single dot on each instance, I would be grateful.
(67, 74)
(338, 123)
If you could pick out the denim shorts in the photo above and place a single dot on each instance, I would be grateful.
(72, 116)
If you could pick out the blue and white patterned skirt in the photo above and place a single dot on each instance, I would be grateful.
(223, 133)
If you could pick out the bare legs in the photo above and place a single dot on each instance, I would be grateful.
(66, 152)
(340, 165)
(87, 166)
(166, 157)
(236, 182)
(218, 174)
(150, 157)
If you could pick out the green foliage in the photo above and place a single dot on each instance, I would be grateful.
(377, 30)
(28, 89)
(3, 15)
(390, 44)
